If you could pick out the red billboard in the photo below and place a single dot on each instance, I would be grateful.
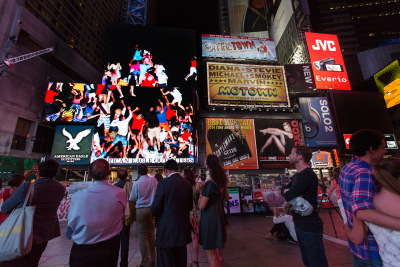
(327, 61)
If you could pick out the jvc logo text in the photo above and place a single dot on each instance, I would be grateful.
(326, 44)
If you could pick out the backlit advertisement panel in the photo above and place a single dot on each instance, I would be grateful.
(275, 140)
(321, 159)
(238, 47)
(390, 141)
(327, 61)
(72, 144)
(388, 82)
(317, 122)
(152, 126)
(232, 140)
(300, 78)
(281, 19)
(248, 18)
(246, 84)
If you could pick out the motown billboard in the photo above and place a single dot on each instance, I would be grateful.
(244, 84)
(72, 144)
(237, 47)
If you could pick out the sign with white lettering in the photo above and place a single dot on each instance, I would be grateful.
(300, 78)
(327, 61)
(72, 144)
(246, 84)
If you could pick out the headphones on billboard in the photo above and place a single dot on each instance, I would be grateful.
(311, 119)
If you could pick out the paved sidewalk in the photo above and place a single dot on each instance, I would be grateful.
(245, 246)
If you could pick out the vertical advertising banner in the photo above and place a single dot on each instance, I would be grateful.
(300, 78)
(72, 144)
(327, 61)
(275, 140)
(280, 19)
(317, 122)
(232, 140)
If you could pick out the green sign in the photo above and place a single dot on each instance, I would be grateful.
(72, 144)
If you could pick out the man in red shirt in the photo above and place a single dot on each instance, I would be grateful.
(193, 69)
(150, 80)
(136, 131)
(51, 95)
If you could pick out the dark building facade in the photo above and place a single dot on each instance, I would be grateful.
(359, 24)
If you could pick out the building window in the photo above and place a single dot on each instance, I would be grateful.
(44, 140)
(21, 134)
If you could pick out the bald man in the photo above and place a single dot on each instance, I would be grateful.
(95, 220)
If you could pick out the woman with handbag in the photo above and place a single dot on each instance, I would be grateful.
(212, 235)
(387, 174)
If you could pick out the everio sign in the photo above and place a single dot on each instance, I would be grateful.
(246, 84)
(327, 61)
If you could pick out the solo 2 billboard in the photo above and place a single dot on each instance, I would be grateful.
(72, 144)
(327, 61)
(317, 122)
(237, 47)
(230, 83)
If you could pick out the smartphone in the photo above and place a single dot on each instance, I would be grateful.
(334, 67)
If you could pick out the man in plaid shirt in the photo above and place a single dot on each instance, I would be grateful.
(357, 188)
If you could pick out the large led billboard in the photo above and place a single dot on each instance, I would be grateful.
(318, 123)
(237, 47)
(150, 56)
(233, 141)
(242, 84)
(327, 61)
(362, 110)
(152, 126)
(249, 18)
(252, 143)
(72, 144)
(388, 82)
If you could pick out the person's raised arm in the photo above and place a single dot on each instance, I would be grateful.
(15, 199)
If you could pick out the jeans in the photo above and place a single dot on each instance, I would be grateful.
(124, 235)
(312, 248)
(358, 262)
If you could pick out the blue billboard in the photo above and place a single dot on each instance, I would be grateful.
(237, 47)
(317, 122)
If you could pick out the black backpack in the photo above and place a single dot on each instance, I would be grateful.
(262, 208)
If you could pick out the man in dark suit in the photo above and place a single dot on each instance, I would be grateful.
(47, 195)
(172, 205)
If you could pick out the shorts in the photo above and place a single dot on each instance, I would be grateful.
(177, 99)
(135, 132)
(165, 126)
(120, 138)
(143, 69)
(162, 85)
(105, 90)
(132, 81)
(135, 72)
(154, 132)
(193, 70)
(114, 79)
(105, 121)
(111, 87)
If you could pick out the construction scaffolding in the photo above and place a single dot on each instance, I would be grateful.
(136, 12)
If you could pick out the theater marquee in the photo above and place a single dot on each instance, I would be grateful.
(246, 84)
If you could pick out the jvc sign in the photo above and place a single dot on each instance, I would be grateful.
(327, 61)
(330, 45)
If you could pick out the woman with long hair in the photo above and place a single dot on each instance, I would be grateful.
(387, 174)
(212, 234)
(189, 175)
(15, 181)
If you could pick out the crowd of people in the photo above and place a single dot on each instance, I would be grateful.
(183, 211)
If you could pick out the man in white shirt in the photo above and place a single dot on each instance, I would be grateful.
(143, 192)
(123, 128)
(104, 117)
(95, 220)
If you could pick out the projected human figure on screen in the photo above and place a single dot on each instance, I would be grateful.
(283, 139)
(193, 69)
(255, 17)
(177, 96)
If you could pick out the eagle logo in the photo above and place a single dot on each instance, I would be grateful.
(73, 142)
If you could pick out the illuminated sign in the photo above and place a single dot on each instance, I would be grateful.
(246, 84)
(327, 61)
(233, 141)
(72, 144)
(336, 158)
(321, 159)
(238, 47)
(388, 82)
(390, 141)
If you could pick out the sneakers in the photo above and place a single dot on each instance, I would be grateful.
(186, 78)
(293, 242)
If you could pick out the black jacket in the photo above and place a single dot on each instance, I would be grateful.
(172, 205)
(305, 183)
